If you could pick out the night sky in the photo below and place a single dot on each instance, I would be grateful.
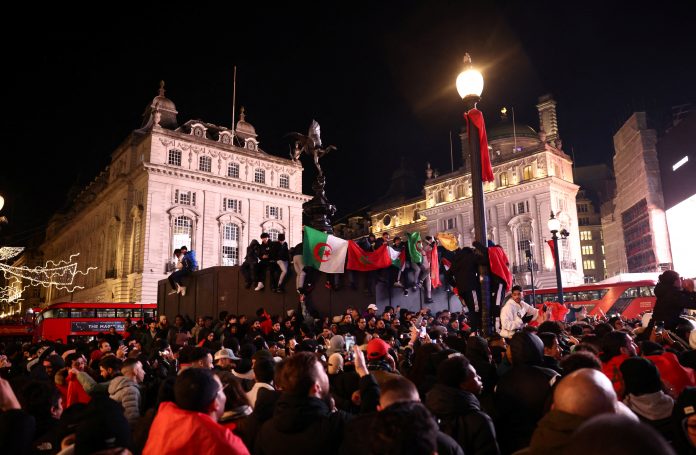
(378, 77)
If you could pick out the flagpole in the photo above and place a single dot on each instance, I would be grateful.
(451, 153)
(234, 96)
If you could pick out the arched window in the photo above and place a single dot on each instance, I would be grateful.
(260, 176)
(524, 239)
(230, 244)
(527, 173)
(284, 181)
(273, 234)
(205, 163)
(174, 157)
(503, 179)
(111, 252)
(182, 233)
(137, 245)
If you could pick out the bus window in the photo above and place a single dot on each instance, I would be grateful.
(630, 293)
(646, 291)
(82, 313)
(56, 313)
(570, 297)
(106, 313)
(602, 293)
(123, 312)
(539, 299)
(150, 313)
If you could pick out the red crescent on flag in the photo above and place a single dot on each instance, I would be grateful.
(322, 255)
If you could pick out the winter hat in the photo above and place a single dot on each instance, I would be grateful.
(105, 427)
(335, 363)
(376, 349)
(640, 376)
(372, 306)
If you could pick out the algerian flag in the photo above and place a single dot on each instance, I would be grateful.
(324, 252)
(398, 258)
(416, 256)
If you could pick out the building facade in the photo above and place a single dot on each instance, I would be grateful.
(591, 238)
(634, 223)
(533, 176)
(207, 187)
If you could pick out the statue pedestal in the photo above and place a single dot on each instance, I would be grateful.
(318, 210)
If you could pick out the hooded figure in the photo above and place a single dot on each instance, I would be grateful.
(644, 395)
(523, 392)
(337, 344)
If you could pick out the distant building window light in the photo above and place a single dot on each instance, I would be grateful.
(680, 163)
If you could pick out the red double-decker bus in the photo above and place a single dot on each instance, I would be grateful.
(628, 299)
(73, 321)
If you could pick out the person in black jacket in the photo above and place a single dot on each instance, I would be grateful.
(523, 392)
(454, 403)
(464, 276)
(672, 299)
(398, 396)
(250, 266)
(280, 255)
(303, 421)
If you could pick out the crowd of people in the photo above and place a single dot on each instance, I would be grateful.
(370, 380)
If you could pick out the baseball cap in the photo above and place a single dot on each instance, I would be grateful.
(225, 353)
(376, 349)
(372, 306)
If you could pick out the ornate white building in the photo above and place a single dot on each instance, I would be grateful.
(197, 184)
(533, 176)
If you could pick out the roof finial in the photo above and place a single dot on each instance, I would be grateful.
(161, 89)
(242, 114)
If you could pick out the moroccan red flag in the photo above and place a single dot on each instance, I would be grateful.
(435, 268)
(476, 117)
(500, 265)
(553, 253)
(364, 261)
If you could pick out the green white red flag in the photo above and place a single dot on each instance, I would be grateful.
(324, 252)
(365, 261)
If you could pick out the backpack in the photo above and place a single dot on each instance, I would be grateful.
(191, 256)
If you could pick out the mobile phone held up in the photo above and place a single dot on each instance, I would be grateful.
(350, 342)
(422, 332)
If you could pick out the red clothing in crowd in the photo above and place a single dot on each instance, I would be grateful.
(203, 435)
(612, 371)
(76, 393)
(672, 372)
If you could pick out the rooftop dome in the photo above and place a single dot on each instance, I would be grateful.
(244, 129)
(505, 130)
(164, 107)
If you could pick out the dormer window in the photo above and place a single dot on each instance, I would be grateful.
(226, 138)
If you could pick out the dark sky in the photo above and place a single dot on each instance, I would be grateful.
(378, 77)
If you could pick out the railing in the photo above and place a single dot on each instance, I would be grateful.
(523, 268)
(568, 265)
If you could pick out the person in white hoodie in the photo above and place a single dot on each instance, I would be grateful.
(513, 312)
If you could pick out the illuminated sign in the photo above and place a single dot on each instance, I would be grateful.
(96, 326)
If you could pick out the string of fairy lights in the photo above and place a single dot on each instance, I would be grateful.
(61, 275)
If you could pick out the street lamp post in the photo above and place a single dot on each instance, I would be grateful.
(554, 227)
(470, 86)
(530, 265)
